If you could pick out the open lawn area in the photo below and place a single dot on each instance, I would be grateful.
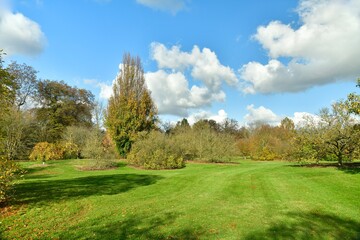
(249, 200)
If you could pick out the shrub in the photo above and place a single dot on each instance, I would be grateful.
(97, 164)
(9, 171)
(98, 145)
(67, 150)
(156, 151)
(205, 144)
(44, 151)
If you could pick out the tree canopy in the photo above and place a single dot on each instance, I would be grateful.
(61, 105)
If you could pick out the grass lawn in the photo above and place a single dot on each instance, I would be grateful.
(249, 200)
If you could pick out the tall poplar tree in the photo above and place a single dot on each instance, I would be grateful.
(130, 109)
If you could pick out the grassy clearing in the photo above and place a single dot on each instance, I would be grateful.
(249, 200)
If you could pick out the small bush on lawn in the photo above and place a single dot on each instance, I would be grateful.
(156, 151)
(45, 151)
(97, 164)
(9, 171)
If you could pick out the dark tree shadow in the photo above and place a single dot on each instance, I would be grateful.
(310, 226)
(352, 168)
(43, 191)
(349, 167)
(134, 227)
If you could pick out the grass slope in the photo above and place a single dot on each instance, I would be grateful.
(250, 200)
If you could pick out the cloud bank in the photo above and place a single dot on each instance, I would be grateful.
(324, 49)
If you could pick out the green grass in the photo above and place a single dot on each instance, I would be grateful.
(250, 200)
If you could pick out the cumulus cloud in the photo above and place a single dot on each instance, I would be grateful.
(172, 6)
(19, 34)
(172, 94)
(262, 115)
(322, 50)
(170, 87)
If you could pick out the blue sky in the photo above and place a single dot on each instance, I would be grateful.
(248, 60)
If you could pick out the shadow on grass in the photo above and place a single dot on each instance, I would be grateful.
(351, 167)
(43, 191)
(134, 227)
(310, 226)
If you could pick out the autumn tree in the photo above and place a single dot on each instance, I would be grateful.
(130, 109)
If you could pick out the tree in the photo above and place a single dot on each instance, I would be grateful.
(26, 80)
(7, 87)
(62, 106)
(230, 126)
(9, 170)
(341, 134)
(334, 135)
(353, 101)
(130, 109)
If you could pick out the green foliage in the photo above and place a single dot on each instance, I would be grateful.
(8, 87)
(9, 172)
(62, 106)
(335, 136)
(353, 101)
(156, 151)
(130, 108)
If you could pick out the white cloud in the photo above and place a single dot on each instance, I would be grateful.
(105, 89)
(219, 117)
(262, 115)
(170, 88)
(172, 6)
(19, 34)
(300, 119)
(204, 64)
(322, 50)
(172, 94)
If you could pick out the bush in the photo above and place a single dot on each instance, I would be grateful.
(205, 144)
(97, 164)
(156, 151)
(45, 151)
(9, 171)
(98, 145)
